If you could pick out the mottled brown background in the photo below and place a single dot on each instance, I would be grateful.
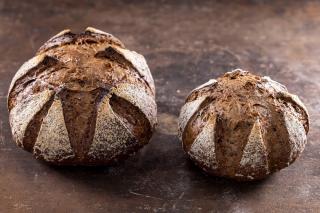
(186, 43)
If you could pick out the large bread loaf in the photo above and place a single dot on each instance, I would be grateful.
(83, 99)
(243, 126)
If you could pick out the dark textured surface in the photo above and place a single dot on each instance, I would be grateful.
(185, 43)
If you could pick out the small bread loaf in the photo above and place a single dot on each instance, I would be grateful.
(243, 126)
(84, 99)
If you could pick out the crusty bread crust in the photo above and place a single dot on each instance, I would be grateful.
(83, 100)
(112, 138)
(22, 114)
(53, 144)
(243, 126)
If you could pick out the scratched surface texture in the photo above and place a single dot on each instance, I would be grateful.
(185, 43)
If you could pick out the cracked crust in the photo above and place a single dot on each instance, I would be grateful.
(78, 91)
(259, 126)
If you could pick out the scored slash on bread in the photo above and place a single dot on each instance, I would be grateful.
(53, 144)
(24, 112)
(243, 126)
(254, 153)
(83, 99)
(112, 137)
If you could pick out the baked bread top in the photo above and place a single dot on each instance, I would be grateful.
(78, 88)
(243, 126)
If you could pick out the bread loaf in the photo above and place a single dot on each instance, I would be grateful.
(243, 126)
(84, 99)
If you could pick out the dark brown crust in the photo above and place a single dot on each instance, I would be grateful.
(86, 37)
(237, 100)
(231, 138)
(81, 69)
(89, 66)
(80, 117)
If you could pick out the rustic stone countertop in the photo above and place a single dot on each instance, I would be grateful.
(185, 44)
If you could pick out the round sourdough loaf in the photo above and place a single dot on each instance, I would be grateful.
(84, 99)
(243, 126)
